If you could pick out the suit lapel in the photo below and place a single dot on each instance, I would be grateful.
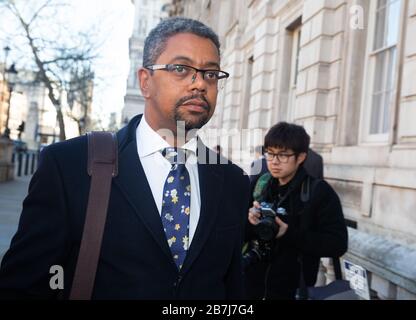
(211, 178)
(132, 182)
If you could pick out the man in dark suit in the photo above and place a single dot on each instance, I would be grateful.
(173, 229)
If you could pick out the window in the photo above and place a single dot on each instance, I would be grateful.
(296, 49)
(294, 71)
(245, 109)
(383, 58)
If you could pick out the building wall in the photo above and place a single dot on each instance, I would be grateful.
(30, 104)
(313, 62)
(4, 96)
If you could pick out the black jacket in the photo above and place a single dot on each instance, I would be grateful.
(316, 229)
(135, 260)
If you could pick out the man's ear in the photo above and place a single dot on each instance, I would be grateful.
(144, 81)
(301, 158)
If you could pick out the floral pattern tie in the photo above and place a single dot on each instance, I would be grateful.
(176, 205)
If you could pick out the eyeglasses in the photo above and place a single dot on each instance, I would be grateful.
(282, 157)
(187, 74)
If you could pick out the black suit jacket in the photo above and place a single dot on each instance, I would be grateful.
(135, 260)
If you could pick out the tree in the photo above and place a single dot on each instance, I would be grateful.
(56, 57)
(79, 96)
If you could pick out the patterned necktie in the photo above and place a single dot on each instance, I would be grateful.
(176, 205)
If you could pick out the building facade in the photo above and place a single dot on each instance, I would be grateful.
(147, 14)
(344, 69)
(30, 105)
(32, 111)
(6, 147)
(4, 98)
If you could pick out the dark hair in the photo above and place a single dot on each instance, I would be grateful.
(156, 41)
(287, 136)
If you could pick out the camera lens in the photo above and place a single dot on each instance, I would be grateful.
(267, 229)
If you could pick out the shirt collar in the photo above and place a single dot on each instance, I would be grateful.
(149, 141)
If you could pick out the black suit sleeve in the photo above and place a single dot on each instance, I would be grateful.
(41, 240)
(234, 277)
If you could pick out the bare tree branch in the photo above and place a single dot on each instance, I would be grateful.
(37, 12)
(63, 65)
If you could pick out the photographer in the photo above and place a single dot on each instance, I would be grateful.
(295, 220)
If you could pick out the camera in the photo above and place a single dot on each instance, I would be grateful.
(266, 231)
(267, 228)
(258, 251)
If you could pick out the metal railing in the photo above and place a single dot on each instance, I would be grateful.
(25, 162)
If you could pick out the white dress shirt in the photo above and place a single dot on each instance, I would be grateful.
(156, 167)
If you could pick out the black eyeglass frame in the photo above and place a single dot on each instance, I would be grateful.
(278, 155)
(171, 67)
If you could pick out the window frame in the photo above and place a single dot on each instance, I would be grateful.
(365, 137)
(294, 72)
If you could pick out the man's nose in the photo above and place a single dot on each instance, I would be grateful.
(198, 82)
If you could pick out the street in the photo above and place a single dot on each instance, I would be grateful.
(12, 194)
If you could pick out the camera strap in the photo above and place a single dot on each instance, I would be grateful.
(308, 186)
(286, 195)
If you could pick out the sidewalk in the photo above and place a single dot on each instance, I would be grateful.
(12, 195)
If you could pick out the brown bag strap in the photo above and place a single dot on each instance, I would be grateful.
(102, 166)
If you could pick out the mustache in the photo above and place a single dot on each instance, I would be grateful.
(181, 101)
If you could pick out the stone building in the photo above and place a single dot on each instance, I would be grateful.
(147, 14)
(4, 98)
(30, 105)
(6, 146)
(344, 69)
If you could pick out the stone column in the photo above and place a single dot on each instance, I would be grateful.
(264, 66)
(320, 61)
(6, 165)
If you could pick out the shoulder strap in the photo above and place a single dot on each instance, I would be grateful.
(102, 166)
(308, 187)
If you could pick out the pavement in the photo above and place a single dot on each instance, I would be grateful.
(12, 194)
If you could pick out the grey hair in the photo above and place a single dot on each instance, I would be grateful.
(157, 39)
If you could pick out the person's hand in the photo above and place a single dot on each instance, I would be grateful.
(282, 227)
(254, 214)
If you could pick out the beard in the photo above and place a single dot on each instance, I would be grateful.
(192, 121)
